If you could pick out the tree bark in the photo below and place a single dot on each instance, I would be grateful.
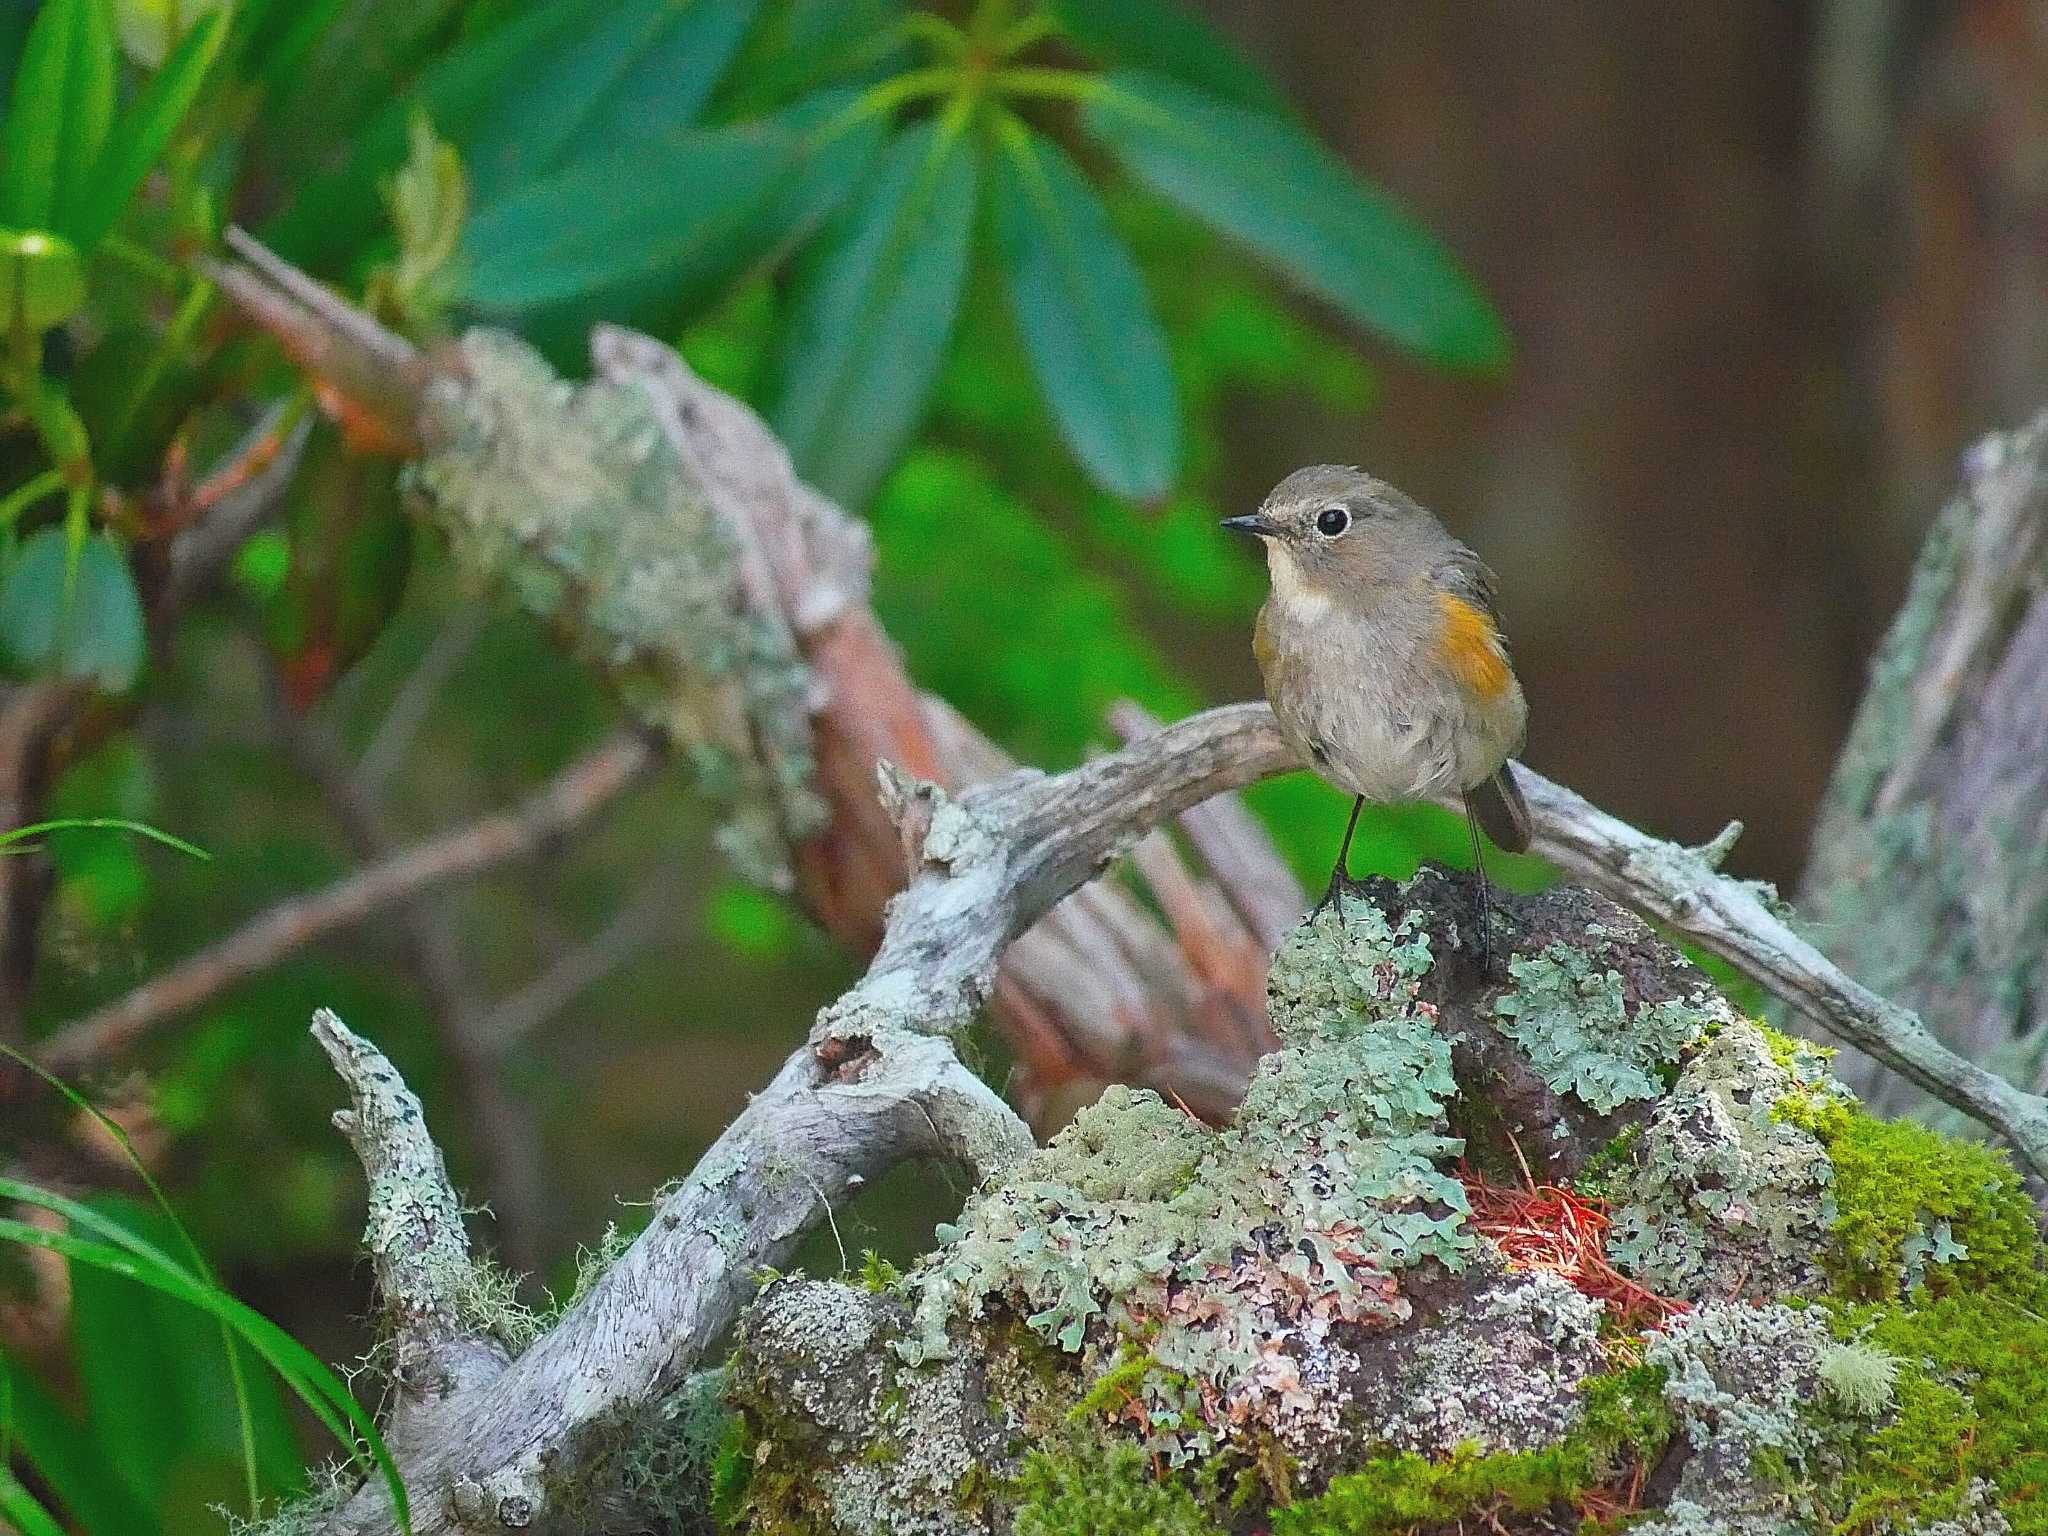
(1929, 872)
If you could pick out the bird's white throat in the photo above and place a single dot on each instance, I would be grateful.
(1290, 587)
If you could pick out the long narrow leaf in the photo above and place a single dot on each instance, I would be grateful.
(873, 322)
(62, 109)
(238, 1384)
(593, 76)
(1086, 319)
(55, 1444)
(1172, 39)
(1273, 189)
(676, 206)
(683, 53)
(104, 823)
(318, 1387)
(121, 1251)
(144, 132)
(20, 1508)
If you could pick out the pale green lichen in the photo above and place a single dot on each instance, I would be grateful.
(1152, 1325)
(1739, 1379)
(1859, 1376)
(573, 498)
(1138, 1221)
(1570, 1015)
(1725, 1195)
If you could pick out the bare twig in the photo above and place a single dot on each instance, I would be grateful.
(637, 923)
(408, 712)
(575, 793)
(202, 551)
(31, 715)
(514, 1176)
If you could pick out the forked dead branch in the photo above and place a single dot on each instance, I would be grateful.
(994, 856)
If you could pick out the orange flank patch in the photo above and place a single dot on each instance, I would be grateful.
(1473, 647)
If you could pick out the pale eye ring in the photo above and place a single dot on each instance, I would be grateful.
(1332, 521)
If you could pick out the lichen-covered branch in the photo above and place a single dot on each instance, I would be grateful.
(1745, 925)
(659, 527)
(1929, 872)
(878, 1081)
(414, 1235)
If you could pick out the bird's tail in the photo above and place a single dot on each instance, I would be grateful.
(1497, 805)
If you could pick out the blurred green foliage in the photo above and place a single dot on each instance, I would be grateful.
(1002, 273)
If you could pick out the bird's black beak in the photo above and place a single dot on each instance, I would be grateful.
(1251, 523)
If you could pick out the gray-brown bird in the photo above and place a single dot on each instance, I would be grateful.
(1383, 657)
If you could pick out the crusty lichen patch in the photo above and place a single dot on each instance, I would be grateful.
(571, 497)
(1724, 1195)
(1239, 1256)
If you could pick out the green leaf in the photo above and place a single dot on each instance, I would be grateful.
(675, 207)
(591, 76)
(42, 281)
(145, 131)
(121, 1252)
(833, 161)
(158, 1392)
(1169, 38)
(149, 29)
(679, 55)
(103, 824)
(15, 16)
(86, 623)
(88, 1485)
(1266, 184)
(19, 1507)
(1086, 320)
(873, 319)
(62, 110)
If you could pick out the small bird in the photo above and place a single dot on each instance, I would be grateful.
(1383, 656)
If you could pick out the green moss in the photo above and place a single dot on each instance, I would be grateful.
(1607, 1173)
(731, 1472)
(1916, 1208)
(877, 1274)
(1089, 1486)
(1626, 1423)
(1968, 1413)
(1117, 1386)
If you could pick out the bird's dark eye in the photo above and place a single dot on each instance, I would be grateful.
(1332, 521)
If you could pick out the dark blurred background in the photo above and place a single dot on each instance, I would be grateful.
(1767, 268)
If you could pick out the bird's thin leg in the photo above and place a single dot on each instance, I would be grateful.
(1485, 891)
(1341, 870)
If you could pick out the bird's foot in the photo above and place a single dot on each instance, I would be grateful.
(1333, 896)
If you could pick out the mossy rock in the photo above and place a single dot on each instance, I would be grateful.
(1291, 1324)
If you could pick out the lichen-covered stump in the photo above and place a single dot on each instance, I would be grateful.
(1771, 1313)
